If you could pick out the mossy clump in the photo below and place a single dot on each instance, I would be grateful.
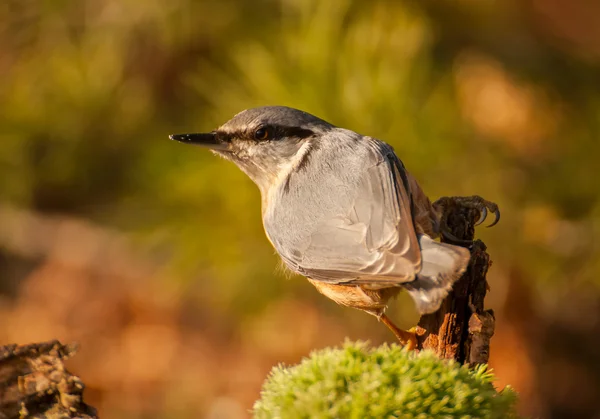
(384, 382)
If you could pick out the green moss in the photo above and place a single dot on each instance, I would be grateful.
(385, 382)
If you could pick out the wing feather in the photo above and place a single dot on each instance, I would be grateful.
(374, 241)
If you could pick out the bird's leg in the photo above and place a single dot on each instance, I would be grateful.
(406, 338)
(445, 205)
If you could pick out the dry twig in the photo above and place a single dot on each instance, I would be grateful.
(461, 329)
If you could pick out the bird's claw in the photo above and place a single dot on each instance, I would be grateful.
(406, 338)
(445, 204)
(482, 205)
(475, 202)
(452, 238)
(412, 343)
(483, 216)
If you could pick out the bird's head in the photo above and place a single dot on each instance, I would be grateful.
(264, 142)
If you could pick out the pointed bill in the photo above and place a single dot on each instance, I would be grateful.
(208, 140)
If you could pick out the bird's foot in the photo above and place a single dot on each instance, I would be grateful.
(407, 338)
(446, 205)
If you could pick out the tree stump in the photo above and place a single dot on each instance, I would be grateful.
(35, 384)
(461, 329)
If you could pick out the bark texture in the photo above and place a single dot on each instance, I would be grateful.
(35, 384)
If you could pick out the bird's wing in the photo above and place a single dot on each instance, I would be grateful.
(374, 241)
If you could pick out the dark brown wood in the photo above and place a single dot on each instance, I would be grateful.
(461, 329)
(35, 384)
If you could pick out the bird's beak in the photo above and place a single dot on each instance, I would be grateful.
(208, 140)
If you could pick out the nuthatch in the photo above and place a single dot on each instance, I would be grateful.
(341, 209)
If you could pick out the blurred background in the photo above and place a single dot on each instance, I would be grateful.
(151, 254)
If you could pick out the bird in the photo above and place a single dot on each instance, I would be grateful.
(341, 209)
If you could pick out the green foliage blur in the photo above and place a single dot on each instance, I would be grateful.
(90, 90)
(386, 382)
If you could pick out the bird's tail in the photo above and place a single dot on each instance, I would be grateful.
(442, 265)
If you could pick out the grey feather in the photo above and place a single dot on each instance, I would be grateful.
(356, 226)
(443, 264)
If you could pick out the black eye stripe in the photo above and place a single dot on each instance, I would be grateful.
(275, 132)
(298, 132)
(281, 131)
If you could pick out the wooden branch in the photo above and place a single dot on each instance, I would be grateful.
(461, 329)
(35, 384)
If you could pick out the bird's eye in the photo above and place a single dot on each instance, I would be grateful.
(261, 133)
